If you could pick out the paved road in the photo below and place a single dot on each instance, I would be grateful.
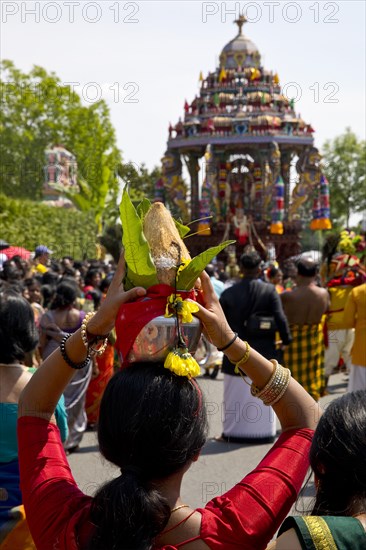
(219, 467)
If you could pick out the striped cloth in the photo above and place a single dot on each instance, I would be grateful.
(305, 357)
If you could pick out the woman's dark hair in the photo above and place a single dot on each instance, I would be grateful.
(90, 274)
(18, 333)
(50, 278)
(65, 295)
(272, 271)
(105, 283)
(10, 272)
(151, 424)
(48, 292)
(338, 457)
(31, 281)
(95, 296)
(69, 272)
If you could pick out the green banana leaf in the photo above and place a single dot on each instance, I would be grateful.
(143, 207)
(182, 229)
(188, 276)
(140, 270)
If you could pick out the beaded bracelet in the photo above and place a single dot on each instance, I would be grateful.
(67, 359)
(285, 384)
(255, 391)
(85, 340)
(230, 343)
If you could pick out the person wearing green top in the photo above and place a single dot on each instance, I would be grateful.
(338, 460)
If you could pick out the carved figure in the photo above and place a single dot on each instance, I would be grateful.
(309, 170)
(272, 169)
(172, 183)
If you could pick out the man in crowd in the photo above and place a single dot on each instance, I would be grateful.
(246, 419)
(304, 308)
(41, 259)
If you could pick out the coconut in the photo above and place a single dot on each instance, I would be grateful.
(166, 245)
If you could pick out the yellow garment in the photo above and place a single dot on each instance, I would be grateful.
(355, 316)
(338, 299)
(40, 268)
(19, 536)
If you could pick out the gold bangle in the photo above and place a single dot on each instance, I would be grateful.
(282, 390)
(276, 386)
(255, 391)
(84, 337)
(242, 361)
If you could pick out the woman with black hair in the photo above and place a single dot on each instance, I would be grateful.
(64, 318)
(153, 426)
(338, 460)
(18, 337)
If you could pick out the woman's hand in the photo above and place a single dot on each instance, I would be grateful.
(104, 319)
(216, 328)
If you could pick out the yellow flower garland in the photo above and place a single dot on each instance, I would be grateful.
(181, 362)
(176, 305)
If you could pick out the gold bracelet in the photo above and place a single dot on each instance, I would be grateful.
(84, 337)
(282, 390)
(276, 386)
(242, 361)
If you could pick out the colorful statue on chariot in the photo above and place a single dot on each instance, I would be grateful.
(245, 138)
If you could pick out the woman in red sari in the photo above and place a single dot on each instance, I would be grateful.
(153, 426)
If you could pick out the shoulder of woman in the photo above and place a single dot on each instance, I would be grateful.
(286, 541)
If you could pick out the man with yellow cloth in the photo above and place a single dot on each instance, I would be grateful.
(355, 316)
(340, 335)
(304, 308)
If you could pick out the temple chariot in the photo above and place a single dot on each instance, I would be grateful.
(243, 143)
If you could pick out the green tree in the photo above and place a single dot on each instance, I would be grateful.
(38, 110)
(345, 167)
(140, 180)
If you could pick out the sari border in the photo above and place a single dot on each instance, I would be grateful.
(320, 533)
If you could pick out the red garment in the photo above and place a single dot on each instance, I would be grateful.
(245, 517)
(97, 385)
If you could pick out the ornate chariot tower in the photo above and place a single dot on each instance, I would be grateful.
(249, 138)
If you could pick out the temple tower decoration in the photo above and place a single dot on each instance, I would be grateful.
(60, 176)
(250, 141)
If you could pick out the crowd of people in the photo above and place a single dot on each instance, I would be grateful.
(52, 313)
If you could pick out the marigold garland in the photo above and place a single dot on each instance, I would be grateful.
(181, 362)
(175, 305)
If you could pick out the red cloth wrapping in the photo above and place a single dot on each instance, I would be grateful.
(133, 316)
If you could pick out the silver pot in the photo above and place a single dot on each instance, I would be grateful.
(160, 336)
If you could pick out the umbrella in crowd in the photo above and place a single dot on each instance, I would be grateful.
(16, 251)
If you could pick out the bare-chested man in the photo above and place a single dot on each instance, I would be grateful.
(304, 308)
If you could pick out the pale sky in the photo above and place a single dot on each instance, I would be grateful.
(144, 58)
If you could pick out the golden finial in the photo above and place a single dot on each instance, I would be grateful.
(240, 22)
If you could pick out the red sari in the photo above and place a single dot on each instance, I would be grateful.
(246, 517)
